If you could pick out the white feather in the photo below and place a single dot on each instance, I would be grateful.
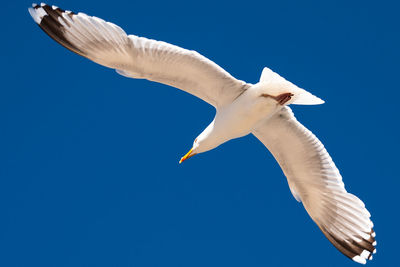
(37, 14)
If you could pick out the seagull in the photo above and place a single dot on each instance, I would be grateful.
(241, 108)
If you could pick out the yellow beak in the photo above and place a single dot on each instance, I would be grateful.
(188, 155)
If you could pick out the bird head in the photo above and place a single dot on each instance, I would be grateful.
(206, 141)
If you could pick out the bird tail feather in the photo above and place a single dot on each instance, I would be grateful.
(300, 96)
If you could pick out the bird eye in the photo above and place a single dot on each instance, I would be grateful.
(195, 140)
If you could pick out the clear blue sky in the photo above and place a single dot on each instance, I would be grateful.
(89, 172)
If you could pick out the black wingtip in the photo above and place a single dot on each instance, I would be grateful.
(51, 20)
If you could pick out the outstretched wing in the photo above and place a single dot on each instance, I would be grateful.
(314, 179)
(107, 44)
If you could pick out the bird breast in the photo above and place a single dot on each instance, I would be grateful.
(243, 114)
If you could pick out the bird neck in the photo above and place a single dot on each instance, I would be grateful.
(210, 138)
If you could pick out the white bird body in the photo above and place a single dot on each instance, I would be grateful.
(241, 108)
(238, 118)
(241, 116)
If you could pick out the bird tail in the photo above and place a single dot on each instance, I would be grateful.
(300, 96)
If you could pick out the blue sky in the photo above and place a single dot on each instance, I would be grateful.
(89, 172)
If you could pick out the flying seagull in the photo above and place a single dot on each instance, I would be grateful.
(241, 108)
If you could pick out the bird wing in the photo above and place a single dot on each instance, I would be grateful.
(107, 44)
(314, 179)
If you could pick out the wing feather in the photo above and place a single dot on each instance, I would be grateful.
(137, 57)
(314, 179)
